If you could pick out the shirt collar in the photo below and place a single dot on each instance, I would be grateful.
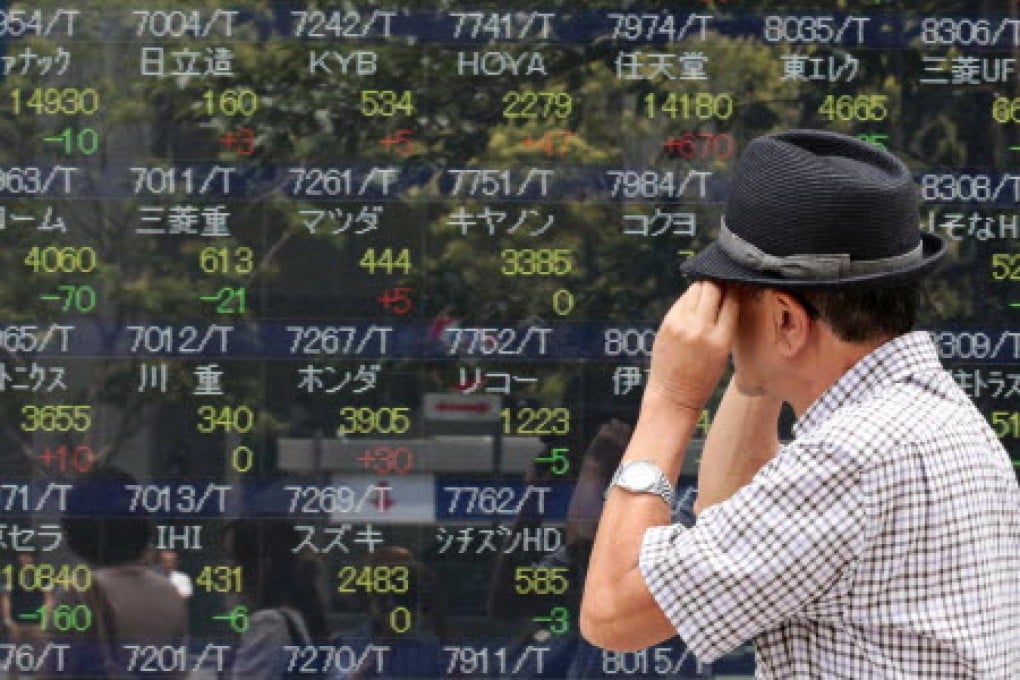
(891, 362)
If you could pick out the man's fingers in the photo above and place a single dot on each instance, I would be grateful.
(691, 297)
(729, 313)
(708, 301)
(684, 305)
(692, 345)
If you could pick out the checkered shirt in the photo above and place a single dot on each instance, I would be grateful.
(882, 542)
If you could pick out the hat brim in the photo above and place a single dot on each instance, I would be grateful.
(713, 263)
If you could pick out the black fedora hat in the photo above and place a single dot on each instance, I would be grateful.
(819, 209)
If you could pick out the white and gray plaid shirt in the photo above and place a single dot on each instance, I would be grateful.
(882, 542)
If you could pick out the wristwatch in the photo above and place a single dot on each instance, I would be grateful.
(643, 476)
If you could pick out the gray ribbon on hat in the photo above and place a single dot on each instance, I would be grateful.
(811, 266)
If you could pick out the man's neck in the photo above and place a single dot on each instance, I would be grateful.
(829, 363)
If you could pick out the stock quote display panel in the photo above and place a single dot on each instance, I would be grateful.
(372, 287)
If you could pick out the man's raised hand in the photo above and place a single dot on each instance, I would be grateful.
(692, 346)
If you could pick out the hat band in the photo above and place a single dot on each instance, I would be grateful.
(821, 266)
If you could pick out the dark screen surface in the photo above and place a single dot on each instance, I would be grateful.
(357, 293)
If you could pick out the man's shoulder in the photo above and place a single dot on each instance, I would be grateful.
(927, 421)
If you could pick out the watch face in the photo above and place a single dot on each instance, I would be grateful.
(640, 475)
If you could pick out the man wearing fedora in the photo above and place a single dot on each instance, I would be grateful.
(883, 541)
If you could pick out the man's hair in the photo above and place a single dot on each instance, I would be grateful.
(99, 524)
(859, 315)
(863, 315)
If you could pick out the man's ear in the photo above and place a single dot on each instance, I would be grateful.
(789, 321)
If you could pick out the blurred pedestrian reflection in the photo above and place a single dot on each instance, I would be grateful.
(166, 566)
(126, 604)
(282, 589)
(24, 602)
(406, 616)
(570, 655)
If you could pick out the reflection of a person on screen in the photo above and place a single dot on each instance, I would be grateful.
(571, 656)
(166, 566)
(22, 604)
(882, 541)
(130, 604)
(406, 617)
(282, 591)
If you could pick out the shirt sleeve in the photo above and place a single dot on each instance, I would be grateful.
(260, 654)
(183, 584)
(769, 552)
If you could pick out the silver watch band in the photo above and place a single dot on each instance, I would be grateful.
(664, 489)
(660, 487)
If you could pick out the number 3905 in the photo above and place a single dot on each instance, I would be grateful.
(367, 420)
